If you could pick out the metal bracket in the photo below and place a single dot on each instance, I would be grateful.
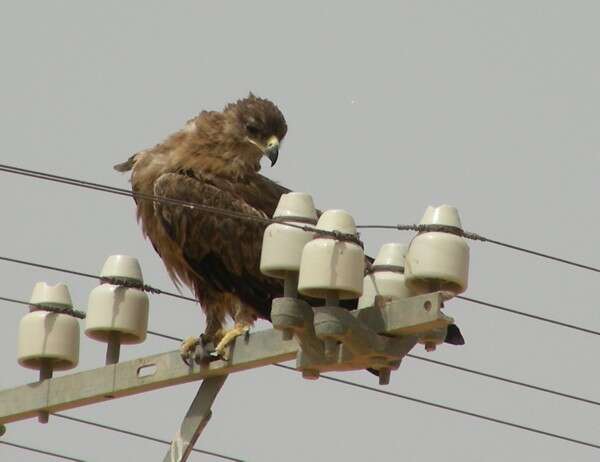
(195, 420)
(333, 339)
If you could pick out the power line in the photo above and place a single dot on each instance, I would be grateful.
(456, 410)
(75, 313)
(82, 315)
(140, 435)
(265, 220)
(504, 379)
(479, 237)
(463, 369)
(116, 281)
(165, 336)
(41, 451)
(529, 315)
(171, 294)
(421, 358)
(460, 368)
(170, 201)
(53, 309)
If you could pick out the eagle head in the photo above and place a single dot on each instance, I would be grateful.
(259, 122)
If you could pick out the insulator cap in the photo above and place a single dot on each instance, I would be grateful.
(46, 336)
(122, 267)
(282, 245)
(296, 204)
(438, 260)
(114, 308)
(57, 295)
(392, 255)
(331, 266)
(387, 275)
(445, 215)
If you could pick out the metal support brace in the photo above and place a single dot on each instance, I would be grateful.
(332, 338)
(195, 420)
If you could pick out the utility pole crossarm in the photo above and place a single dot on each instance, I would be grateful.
(407, 318)
(138, 376)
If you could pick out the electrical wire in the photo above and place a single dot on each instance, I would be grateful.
(529, 315)
(116, 281)
(171, 294)
(40, 451)
(140, 435)
(170, 201)
(504, 379)
(81, 315)
(460, 368)
(75, 313)
(418, 228)
(456, 410)
(232, 214)
(441, 363)
(479, 237)
(41, 306)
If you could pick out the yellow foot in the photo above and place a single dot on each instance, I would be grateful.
(229, 337)
(188, 349)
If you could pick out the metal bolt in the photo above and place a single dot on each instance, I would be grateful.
(331, 348)
(45, 374)
(384, 375)
(113, 348)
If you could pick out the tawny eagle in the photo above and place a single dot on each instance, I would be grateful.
(215, 160)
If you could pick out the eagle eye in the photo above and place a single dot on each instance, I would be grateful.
(252, 129)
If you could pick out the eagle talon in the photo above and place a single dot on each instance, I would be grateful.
(187, 350)
(219, 354)
(239, 329)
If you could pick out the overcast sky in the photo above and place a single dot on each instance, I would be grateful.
(488, 106)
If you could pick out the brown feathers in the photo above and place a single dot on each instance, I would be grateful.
(214, 160)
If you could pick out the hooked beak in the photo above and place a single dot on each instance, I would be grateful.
(272, 150)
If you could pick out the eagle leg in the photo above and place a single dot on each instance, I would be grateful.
(240, 328)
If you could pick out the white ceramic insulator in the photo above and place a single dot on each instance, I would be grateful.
(282, 249)
(384, 283)
(48, 336)
(386, 278)
(122, 266)
(331, 266)
(438, 260)
(282, 245)
(113, 308)
(296, 204)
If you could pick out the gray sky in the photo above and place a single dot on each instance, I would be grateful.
(488, 106)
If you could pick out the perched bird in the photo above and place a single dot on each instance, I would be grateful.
(215, 160)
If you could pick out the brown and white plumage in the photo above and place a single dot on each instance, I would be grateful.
(214, 160)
